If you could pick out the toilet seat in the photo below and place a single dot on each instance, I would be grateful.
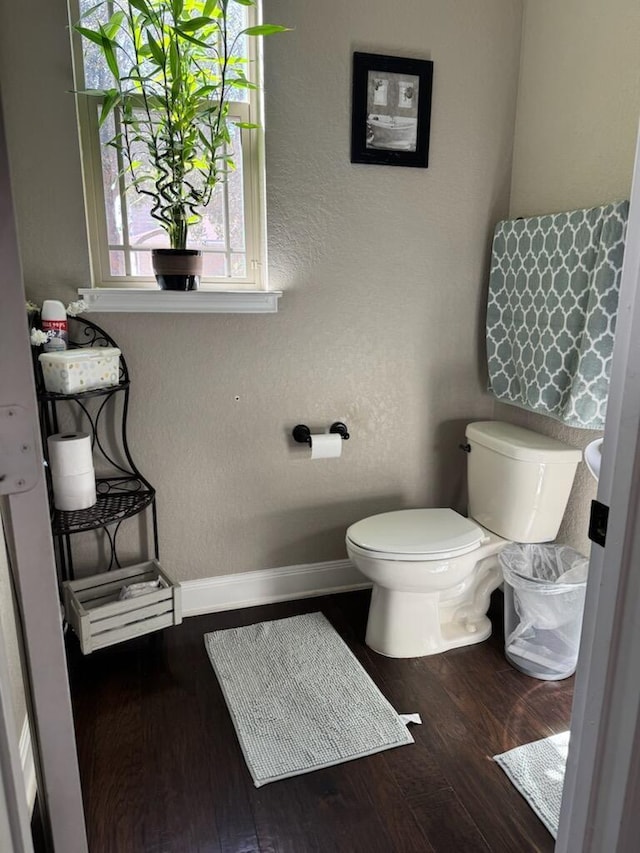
(415, 535)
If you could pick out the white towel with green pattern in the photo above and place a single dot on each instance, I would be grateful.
(551, 312)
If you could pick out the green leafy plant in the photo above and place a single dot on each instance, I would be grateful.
(176, 67)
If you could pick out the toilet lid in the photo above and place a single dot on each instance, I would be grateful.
(434, 532)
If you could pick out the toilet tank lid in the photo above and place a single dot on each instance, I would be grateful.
(519, 443)
(441, 532)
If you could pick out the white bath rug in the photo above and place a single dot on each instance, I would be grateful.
(298, 698)
(537, 771)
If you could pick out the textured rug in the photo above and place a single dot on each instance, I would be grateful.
(298, 698)
(537, 771)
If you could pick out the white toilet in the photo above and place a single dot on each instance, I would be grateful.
(433, 570)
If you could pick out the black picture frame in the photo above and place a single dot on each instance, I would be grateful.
(390, 121)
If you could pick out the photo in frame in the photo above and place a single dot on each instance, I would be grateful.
(391, 110)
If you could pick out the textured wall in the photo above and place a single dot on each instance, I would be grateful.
(577, 119)
(578, 104)
(384, 271)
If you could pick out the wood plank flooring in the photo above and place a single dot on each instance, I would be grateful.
(162, 770)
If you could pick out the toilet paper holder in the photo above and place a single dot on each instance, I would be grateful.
(302, 434)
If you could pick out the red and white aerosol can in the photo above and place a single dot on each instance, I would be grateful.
(54, 322)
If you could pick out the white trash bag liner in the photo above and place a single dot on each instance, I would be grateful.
(546, 591)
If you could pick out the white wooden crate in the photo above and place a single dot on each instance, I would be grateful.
(99, 619)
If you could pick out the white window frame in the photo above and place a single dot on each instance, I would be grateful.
(134, 293)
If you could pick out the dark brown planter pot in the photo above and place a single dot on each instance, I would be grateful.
(177, 269)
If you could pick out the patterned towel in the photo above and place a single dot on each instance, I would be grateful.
(551, 313)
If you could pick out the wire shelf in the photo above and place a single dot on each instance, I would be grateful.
(122, 491)
(117, 499)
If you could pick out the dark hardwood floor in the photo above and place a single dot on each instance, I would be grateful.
(162, 771)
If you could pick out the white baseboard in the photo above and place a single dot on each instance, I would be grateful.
(249, 589)
(28, 766)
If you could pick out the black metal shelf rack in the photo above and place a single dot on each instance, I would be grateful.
(122, 491)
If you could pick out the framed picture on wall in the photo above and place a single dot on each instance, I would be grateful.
(391, 110)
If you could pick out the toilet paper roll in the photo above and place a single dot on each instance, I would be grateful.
(76, 491)
(74, 484)
(70, 453)
(70, 504)
(326, 446)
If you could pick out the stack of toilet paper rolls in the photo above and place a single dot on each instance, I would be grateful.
(72, 473)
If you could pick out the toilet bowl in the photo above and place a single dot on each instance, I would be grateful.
(433, 570)
(433, 573)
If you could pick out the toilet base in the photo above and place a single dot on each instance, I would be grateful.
(424, 607)
(452, 642)
(407, 625)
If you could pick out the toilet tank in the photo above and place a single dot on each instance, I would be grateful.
(518, 480)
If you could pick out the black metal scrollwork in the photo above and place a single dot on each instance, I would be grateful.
(122, 492)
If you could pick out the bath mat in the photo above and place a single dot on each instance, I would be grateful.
(298, 698)
(537, 771)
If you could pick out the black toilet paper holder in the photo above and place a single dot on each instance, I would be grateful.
(302, 434)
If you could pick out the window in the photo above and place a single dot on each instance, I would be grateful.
(122, 231)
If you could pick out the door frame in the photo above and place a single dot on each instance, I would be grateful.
(15, 835)
(602, 785)
(24, 508)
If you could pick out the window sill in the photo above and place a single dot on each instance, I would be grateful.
(151, 301)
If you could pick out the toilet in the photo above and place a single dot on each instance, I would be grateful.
(433, 570)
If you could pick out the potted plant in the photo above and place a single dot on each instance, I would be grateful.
(175, 66)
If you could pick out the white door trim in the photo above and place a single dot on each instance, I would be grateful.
(25, 517)
(28, 767)
(15, 834)
(602, 786)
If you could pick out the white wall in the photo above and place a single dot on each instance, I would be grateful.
(384, 271)
(576, 124)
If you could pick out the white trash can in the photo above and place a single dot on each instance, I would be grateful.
(544, 594)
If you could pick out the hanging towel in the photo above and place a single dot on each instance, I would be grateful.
(551, 312)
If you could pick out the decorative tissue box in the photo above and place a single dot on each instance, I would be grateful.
(75, 370)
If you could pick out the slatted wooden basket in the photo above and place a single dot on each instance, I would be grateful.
(94, 611)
